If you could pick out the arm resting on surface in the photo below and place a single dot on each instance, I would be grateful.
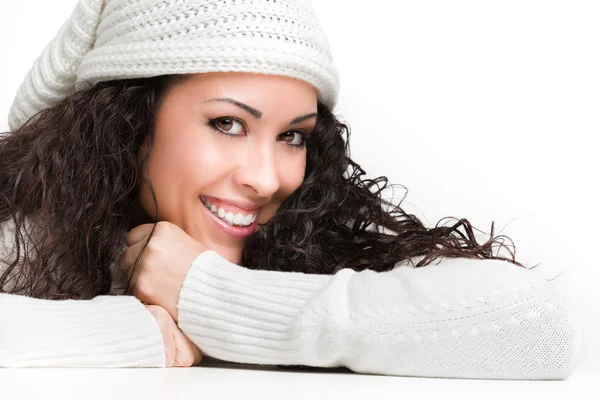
(460, 318)
(107, 331)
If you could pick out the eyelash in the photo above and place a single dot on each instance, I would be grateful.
(212, 124)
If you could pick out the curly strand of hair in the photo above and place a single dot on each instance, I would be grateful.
(333, 210)
(72, 171)
(68, 180)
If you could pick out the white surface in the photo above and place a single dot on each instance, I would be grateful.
(267, 383)
(483, 110)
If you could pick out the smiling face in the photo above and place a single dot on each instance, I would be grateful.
(236, 140)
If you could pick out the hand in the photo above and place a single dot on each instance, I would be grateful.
(161, 270)
(180, 350)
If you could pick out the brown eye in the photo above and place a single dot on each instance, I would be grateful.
(294, 138)
(226, 125)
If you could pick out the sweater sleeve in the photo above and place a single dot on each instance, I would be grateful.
(459, 318)
(106, 331)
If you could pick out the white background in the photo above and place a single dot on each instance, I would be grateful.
(487, 110)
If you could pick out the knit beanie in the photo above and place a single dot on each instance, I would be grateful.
(121, 39)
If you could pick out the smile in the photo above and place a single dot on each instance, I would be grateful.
(238, 219)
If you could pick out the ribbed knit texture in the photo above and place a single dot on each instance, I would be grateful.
(458, 318)
(119, 39)
(107, 331)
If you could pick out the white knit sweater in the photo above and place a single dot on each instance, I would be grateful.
(459, 318)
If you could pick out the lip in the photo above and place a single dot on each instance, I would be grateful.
(244, 206)
(241, 232)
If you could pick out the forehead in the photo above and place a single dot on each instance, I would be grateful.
(272, 95)
(251, 86)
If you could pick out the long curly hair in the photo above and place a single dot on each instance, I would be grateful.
(69, 179)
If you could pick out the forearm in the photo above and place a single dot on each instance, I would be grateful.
(107, 331)
(463, 319)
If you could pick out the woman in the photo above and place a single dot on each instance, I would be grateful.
(193, 195)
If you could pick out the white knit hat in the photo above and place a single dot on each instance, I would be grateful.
(121, 39)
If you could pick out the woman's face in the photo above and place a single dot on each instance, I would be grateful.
(236, 140)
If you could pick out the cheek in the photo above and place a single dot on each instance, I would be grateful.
(294, 178)
(291, 176)
(169, 164)
(188, 161)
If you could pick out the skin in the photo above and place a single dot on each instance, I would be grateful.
(256, 164)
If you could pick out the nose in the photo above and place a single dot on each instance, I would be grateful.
(257, 169)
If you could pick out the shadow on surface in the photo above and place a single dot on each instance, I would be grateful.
(211, 362)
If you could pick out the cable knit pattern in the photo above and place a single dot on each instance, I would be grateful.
(54, 73)
(120, 39)
(459, 318)
(456, 318)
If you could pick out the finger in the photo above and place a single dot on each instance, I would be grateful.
(138, 234)
(197, 354)
(166, 326)
(129, 256)
(171, 349)
(127, 263)
(186, 355)
(170, 352)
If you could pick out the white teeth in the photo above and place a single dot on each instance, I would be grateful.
(238, 219)
(229, 217)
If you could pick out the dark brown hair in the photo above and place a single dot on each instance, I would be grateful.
(72, 170)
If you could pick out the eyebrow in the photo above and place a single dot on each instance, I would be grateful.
(257, 114)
